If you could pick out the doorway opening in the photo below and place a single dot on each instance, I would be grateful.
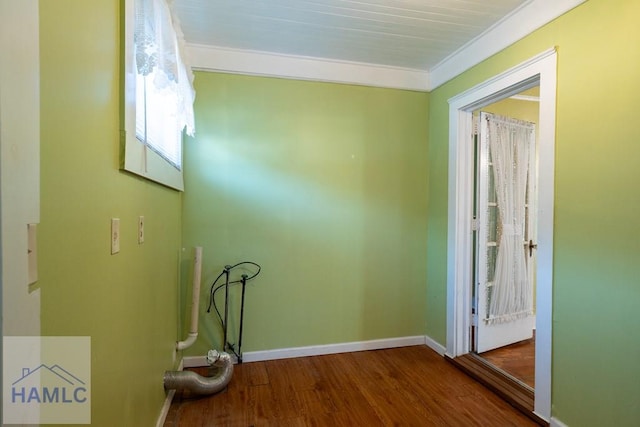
(505, 235)
(538, 71)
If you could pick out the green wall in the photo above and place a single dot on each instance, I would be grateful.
(127, 302)
(596, 377)
(517, 109)
(325, 186)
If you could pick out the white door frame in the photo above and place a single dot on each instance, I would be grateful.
(539, 70)
(19, 164)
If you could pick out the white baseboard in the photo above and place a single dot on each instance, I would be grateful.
(165, 408)
(200, 361)
(435, 346)
(556, 423)
(194, 361)
(318, 350)
(167, 402)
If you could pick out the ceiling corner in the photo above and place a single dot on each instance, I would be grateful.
(513, 27)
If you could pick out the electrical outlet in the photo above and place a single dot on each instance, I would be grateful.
(115, 235)
(140, 229)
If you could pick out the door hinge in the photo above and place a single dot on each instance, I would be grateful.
(474, 224)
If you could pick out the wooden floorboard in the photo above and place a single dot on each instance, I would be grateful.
(518, 360)
(514, 391)
(408, 386)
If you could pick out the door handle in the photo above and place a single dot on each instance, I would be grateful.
(532, 246)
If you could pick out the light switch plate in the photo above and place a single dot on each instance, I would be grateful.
(115, 235)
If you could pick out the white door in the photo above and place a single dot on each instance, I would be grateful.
(506, 235)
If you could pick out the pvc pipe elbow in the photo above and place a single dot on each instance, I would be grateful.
(181, 345)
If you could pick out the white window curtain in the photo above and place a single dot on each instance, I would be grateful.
(159, 56)
(509, 146)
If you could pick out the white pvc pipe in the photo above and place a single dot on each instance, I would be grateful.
(195, 301)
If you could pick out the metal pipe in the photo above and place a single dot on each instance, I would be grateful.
(227, 269)
(244, 286)
(195, 301)
(197, 384)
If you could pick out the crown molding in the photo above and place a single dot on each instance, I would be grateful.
(513, 27)
(237, 61)
(530, 16)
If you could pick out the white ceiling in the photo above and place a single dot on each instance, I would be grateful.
(414, 34)
(404, 44)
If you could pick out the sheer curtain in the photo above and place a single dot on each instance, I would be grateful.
(509, 147)
(159, 54)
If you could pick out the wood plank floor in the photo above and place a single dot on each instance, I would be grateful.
(504, 385)
(518, 360)
(408, 386)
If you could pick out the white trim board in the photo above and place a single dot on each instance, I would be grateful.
(19, 162)
(513, 27)
(194, 361)
(525, 98)
(238, 61)
(320, 350)
(538, 70)
(435, 346)
(164, 411)
(530, 16)
(554, 422)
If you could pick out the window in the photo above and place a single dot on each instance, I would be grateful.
(158, 93)
(156, 125)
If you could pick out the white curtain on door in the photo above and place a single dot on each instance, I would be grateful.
(510, 141)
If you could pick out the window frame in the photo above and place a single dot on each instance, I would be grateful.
(136, 156)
